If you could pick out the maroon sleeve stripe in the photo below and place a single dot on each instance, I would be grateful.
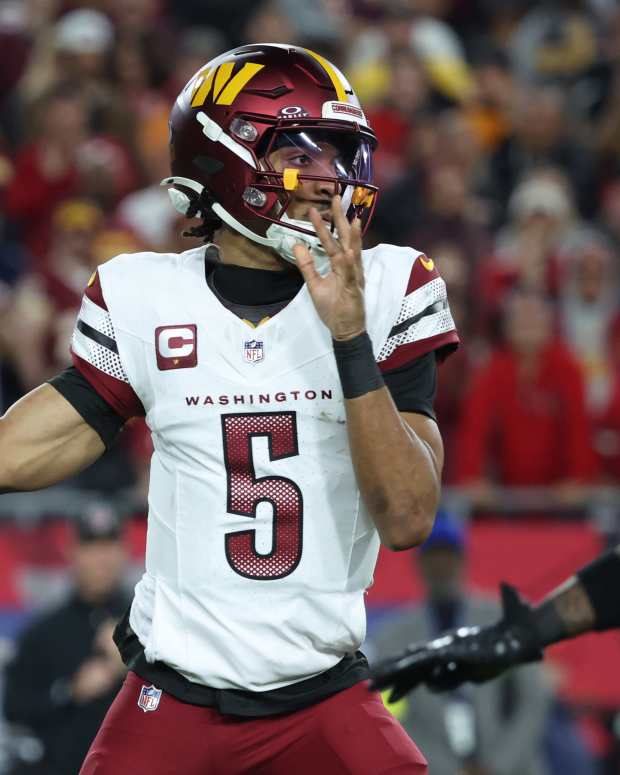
(443, 344)
(119, 395)
(421, 273)
(93, 291)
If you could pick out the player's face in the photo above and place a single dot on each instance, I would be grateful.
(98, 567)
(323, 160)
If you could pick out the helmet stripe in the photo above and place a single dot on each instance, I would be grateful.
(202, 87)
(335, 78)
(224, 71)
(247, 72)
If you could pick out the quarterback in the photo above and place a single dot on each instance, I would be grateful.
(287, 378)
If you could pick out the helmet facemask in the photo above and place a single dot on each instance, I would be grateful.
(302, 167)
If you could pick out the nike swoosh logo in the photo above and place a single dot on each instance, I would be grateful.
(427, 263)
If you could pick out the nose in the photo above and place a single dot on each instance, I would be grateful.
(324, 188)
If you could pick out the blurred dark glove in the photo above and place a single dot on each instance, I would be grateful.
(475, 654)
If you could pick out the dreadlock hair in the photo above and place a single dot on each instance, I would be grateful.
(210, 222)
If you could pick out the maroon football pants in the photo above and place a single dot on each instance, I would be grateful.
(350, 733)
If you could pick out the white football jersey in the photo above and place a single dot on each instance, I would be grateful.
(259, 547)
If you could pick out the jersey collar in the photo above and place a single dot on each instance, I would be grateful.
(242, 285)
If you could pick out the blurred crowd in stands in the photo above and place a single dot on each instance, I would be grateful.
(499, 156)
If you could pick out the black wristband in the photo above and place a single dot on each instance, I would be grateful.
(600, 580)
(357, 368)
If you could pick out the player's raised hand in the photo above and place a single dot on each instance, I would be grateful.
(476, 654)
(339, 296)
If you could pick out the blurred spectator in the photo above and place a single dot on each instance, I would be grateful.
(607, 126)
(555, 42)
(493, 729)
(45, 171)
(526, 254)
(67, 670)
(610, 212)
(221, 14)
(74, 48)
(490, 110)
(542, 136)
(456, 270)
(443, 56)
(106, 171)
(450, 213)
(408, 26)
(147, 212)
(437, 174)
(45, 301)
(134, 18)
(588, 302)
(607, 418)
(524, 420)
(394, 116)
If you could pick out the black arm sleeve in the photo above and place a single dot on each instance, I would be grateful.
(601, 582)
(83, 397)
(413, 386)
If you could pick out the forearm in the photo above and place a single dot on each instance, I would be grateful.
(396, 469)
(43, 440)
(587, 601)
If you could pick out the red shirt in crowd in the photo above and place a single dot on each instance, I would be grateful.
(530, 429)
(607, 435)
(31, 197)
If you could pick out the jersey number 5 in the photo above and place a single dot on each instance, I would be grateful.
(245, 492)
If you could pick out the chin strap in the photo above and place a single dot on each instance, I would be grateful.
(279, 236)
(287, 238)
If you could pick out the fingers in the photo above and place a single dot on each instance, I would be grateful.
(341, 259)
(306, 264)
(356, 248)
(356, 235)
(340, 222)
(329, 243)
(344, 253)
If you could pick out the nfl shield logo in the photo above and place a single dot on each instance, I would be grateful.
(149, 698)
(253, 351)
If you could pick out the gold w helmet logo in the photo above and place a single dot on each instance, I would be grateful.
(225, 88)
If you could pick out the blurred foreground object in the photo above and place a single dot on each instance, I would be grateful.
(587, 601)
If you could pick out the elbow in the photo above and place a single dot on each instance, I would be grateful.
(408, 531)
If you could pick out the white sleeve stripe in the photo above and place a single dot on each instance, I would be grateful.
(96, 317)
(430, 325)
(98, 356)
(421, 298)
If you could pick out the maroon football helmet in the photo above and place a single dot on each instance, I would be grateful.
(249, 102)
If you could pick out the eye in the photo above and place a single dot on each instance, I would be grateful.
(302, 160)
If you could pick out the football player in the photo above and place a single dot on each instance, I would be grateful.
(287, 379)
(588, 601)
